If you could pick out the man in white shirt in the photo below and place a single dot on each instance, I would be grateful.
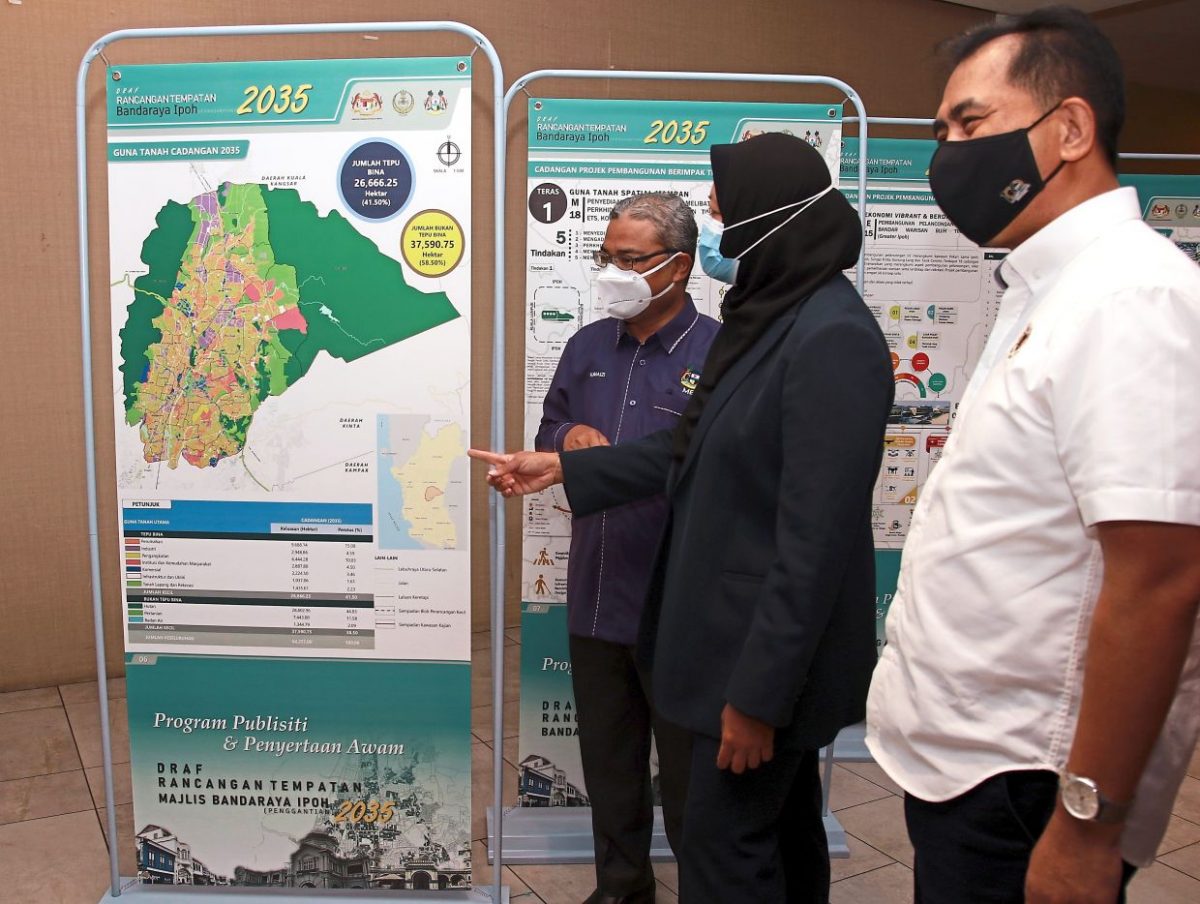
(1039, 696)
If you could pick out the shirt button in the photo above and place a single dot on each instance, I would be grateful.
(642, 363)
(633, 402)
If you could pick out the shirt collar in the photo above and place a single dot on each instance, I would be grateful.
(1040, 257)
(673, 330)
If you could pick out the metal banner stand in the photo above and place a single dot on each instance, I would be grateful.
(565, 835)
(497, 892)
(928, 123)
(850, 746)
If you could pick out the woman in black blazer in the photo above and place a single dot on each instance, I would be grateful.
(760, 626)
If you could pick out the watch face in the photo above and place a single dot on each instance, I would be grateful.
(1081, 798)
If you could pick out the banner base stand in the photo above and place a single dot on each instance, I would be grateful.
(850, 746)
(138, 893)
(564, 835)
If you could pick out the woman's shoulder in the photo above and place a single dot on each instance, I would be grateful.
(835, 302)
(836, 321)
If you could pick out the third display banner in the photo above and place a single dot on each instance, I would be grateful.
(935, 296)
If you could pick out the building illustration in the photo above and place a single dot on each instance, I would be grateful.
(318, 863)
(165, 859)
(315, 863)
(542, 784)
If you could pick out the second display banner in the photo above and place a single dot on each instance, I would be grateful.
(585, 156)
(931, 290)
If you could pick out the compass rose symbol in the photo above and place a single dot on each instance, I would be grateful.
(449, 153)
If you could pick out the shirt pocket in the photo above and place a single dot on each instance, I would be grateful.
(668, 397)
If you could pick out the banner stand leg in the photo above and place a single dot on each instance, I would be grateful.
(135, 891)
(564, 835)
(850, 746)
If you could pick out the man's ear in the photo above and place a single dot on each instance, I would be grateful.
(681, 267)
(1077, 125)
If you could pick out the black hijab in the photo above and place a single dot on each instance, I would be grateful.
(751, 178)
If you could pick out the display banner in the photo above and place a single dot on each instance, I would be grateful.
(1171, 204)
(308, 773)
(935, 296)
(584, 156)
(290, 267)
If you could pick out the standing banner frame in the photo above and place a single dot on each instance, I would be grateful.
(850, 746)
(547, 836)
(497, 892)
(928, 123)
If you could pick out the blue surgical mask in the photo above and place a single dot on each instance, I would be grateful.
(712, 262)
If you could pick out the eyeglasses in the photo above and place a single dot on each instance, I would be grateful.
(625, 261)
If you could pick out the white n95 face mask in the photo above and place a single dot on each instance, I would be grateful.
(626, 293)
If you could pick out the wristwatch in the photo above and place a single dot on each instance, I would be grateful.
(1081, 797)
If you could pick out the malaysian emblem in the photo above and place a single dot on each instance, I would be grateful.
(366, 103)
(1015, 191)
(1160, 212)
(403, 102)
(436, 104)
(689, 379)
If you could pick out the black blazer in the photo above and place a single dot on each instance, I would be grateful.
(764, 587)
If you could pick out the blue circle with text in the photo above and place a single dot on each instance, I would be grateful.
(376, 180)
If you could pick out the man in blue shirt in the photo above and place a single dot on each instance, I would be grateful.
(619, 379)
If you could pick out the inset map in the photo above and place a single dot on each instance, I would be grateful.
(423, 489)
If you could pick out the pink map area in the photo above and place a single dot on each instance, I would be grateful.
(291, 319)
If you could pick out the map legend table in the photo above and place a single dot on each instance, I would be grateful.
(242, 574)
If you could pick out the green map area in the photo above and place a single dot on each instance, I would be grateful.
(246, 286)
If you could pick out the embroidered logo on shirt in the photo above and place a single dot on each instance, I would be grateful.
(597, 373)
(1020, 340)
(689, 379)
(1015, 191)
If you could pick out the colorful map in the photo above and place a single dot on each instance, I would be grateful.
(246, 286)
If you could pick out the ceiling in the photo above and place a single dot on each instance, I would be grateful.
(1158, 40)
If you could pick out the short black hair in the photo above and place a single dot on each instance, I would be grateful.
(1063, 54)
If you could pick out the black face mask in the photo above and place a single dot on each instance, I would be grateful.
(983, 184)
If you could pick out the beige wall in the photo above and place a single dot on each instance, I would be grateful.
(882, 47)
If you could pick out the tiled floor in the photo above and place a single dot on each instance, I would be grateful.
(51, 789)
